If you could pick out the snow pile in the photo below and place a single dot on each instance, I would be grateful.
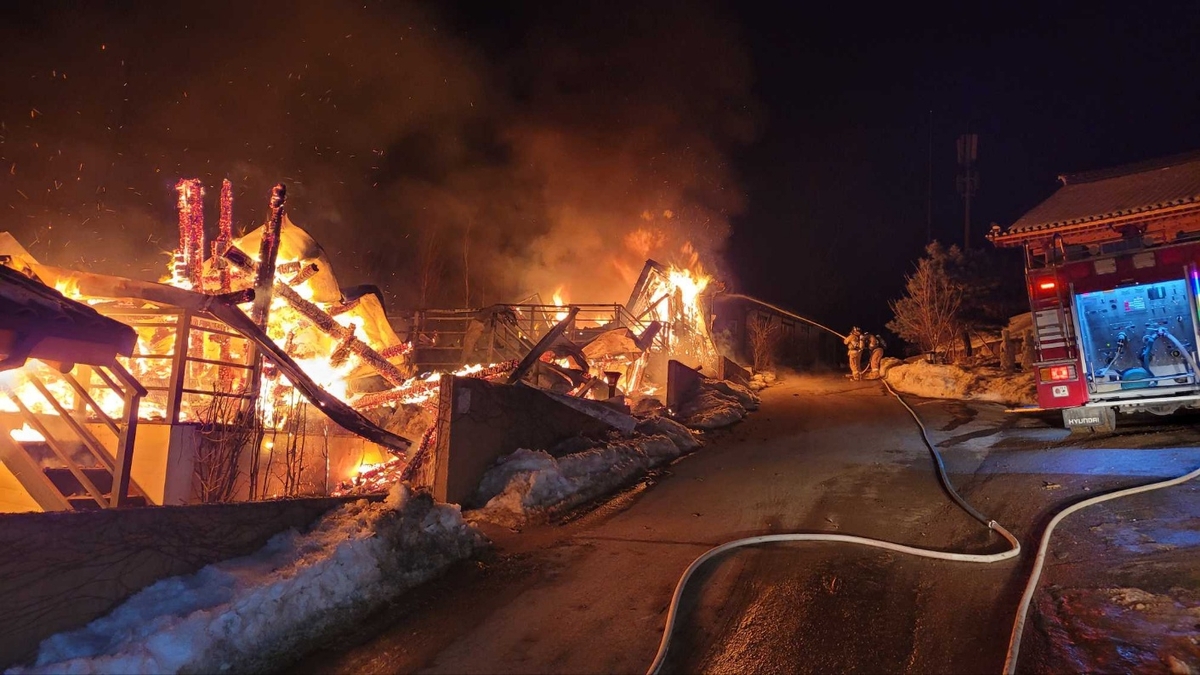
(762, 380)
(745, 397)
(252, 613)
(716, 404)
(929, 380)
(683, 437)
(531, 485)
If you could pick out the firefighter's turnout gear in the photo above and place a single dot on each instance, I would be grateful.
(855, 342)
(875, 346)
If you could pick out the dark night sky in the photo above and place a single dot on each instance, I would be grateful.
(843, 159)
(564, 142)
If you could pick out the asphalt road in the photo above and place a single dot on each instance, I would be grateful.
(822, 455)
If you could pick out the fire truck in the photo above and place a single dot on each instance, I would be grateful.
(1112, 264)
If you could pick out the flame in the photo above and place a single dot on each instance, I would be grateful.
(689, 286)
(69, 287)
(677, 294)
(326, 354)
(17, 382)
(560, 302)
(26, 434)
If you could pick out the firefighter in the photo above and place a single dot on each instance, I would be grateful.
(875, 347)
(854, 347)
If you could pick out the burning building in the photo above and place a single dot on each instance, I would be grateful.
(247, 372)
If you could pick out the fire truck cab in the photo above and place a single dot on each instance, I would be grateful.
(1112, 263)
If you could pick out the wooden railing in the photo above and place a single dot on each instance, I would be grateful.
(76, 418)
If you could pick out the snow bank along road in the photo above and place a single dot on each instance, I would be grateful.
(823, 454)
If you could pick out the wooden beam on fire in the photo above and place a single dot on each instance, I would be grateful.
(347, 340)
(225, 308)
(268, 250)
(542, 345)
(639, 287)
(422, 389)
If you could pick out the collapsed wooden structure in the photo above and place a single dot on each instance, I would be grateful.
(261, 323)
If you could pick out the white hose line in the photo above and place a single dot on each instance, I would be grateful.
(673, 611)
(1014, 641)
(784, 312)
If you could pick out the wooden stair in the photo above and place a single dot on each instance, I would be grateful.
(77, 495)
(58, 488)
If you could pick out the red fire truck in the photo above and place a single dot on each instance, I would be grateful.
(1112, 263)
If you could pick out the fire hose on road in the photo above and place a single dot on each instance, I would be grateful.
(1014, 641)
(1012, 552)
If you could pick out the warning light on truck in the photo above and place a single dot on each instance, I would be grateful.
(1058, 373)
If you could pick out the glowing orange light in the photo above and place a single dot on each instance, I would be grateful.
(1047, 285)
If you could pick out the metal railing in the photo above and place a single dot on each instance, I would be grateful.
(445, 339)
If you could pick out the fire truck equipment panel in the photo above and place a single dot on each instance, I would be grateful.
(1138, 336)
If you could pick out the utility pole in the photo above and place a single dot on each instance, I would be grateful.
(968, 180)
(929, 187)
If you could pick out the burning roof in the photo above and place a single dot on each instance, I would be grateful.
(38, 322)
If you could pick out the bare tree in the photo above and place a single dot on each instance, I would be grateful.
(294, 445)
(467, 265)
(227, 429)
(429, 262)
(286, 442)
(928, 314)
(763, 333)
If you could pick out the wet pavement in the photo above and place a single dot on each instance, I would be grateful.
(590, 594)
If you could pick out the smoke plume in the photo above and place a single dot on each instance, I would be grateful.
(451, 158)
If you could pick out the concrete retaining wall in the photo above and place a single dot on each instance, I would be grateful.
(479, 421)
(681, 383)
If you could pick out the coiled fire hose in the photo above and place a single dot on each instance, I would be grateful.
(1014, 643)
(1015, 550)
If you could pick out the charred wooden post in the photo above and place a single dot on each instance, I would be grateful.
(395, 350)
(342, 351)
(288, 268)
(190, 255)
(419, 461)
(267, 252)
(376, 399)
(343, 307)
(264, 280)
(224, 238)
(220, 269)
(304, 274)
(326, 323)
(542, 345)
(646, 339)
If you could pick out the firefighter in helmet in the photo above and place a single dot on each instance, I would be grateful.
(854, 346)
(875, 347)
